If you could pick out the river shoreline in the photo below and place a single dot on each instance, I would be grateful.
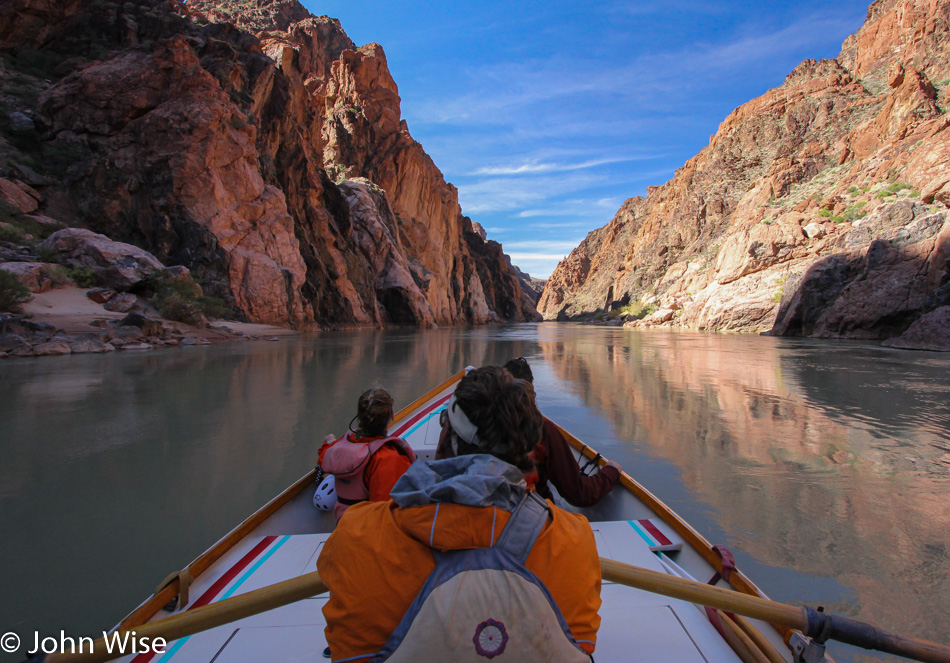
(66, 321)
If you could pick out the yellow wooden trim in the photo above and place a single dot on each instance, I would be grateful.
(422, 400)
(760, 640)
(159, 600)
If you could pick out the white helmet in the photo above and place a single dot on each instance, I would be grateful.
(325, 497)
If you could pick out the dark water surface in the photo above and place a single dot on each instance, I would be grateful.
(825, 466)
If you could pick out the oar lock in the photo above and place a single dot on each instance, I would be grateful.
(180, 600)
(806, 650)
(811, 649)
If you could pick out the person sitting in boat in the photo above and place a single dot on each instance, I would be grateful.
(465, 537)
(556, 463)
(366, 463)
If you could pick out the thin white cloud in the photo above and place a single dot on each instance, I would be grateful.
(581, 207)
(538, 265)
(553, 226)
(522, 194)
(511, 194)
(533, 167)
(564, 246)
(521, 255)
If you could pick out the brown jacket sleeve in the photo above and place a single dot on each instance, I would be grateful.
(561, 469)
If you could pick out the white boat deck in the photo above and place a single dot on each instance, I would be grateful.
(636, 625)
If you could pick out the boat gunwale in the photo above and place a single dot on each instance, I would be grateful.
(737, 579)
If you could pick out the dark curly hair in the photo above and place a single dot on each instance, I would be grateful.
(520, 369)
(504, 411)
(374, 410)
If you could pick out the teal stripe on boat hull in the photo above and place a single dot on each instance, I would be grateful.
(180, 643)
(643, 535)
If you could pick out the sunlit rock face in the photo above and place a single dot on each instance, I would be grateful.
(784, 185)
(222, 135)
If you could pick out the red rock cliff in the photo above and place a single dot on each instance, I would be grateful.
(258, 146)
(838, 176)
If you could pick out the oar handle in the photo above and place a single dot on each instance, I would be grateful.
(810, 622)
(729, 600)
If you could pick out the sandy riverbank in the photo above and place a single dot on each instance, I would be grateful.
(71, 311)
(65, 320)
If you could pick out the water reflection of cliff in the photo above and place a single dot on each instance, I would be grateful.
(827, 460)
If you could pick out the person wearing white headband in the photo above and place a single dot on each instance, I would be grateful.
(508, 418)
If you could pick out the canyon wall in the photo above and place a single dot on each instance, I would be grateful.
(254, 144)
(817, 209)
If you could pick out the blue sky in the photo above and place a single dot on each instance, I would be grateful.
(548, 115)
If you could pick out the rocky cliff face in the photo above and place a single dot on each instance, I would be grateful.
(254, 144)
(817, 209)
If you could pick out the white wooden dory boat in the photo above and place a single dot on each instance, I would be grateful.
(283, 539)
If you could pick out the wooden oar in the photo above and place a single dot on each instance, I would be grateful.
(808, 621)
(206, 617)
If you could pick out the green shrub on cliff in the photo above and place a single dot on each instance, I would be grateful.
(176, 307)
(637, 310)
(59, 155)
(894, 189)
(180, 298)
(83, 276)
(57, 274)
(213, 307)
(10, 233)
(13, 293)
(851, 213)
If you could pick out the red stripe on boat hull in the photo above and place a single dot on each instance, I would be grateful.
(658, 536)
(220, 584)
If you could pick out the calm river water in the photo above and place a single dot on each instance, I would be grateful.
(826, 466)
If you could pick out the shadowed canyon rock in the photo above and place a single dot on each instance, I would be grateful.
(796, 190)
(116, 265)
(258, 146)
